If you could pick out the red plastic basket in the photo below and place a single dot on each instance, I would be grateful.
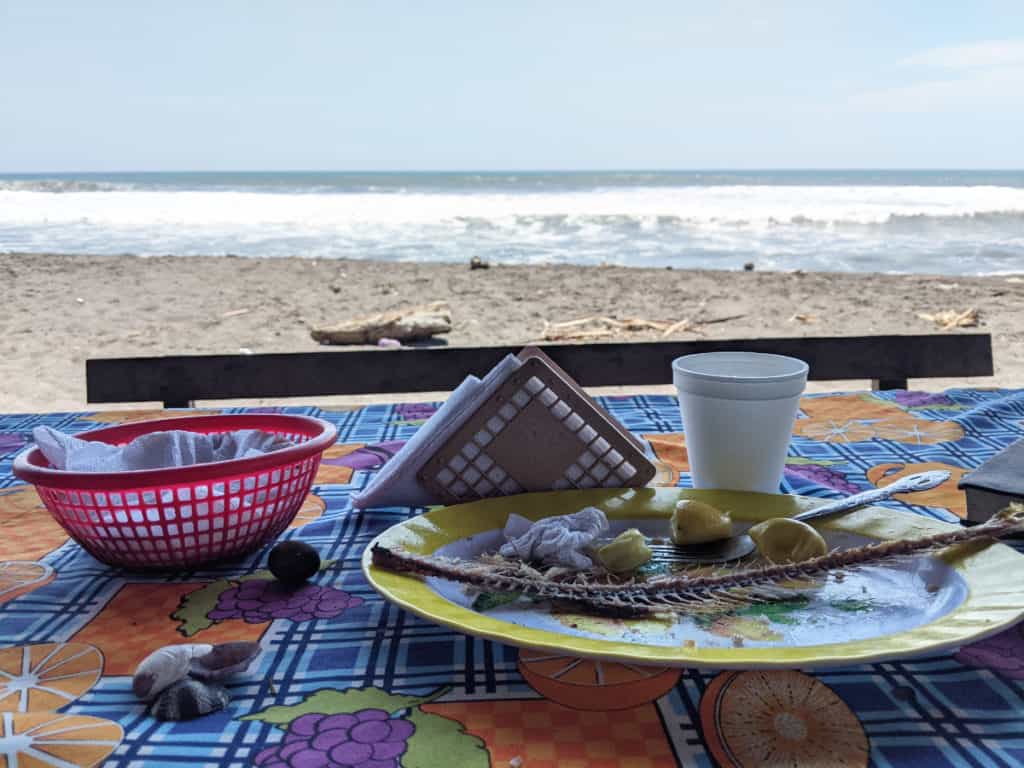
(183, 516)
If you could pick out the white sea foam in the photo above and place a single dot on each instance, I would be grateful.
(949, 229)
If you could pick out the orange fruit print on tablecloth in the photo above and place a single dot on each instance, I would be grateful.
(19, 577)
(594, 685)
(672, 458)
(834, 430)
(328, 474)
(863, 407)
(138, 620)
(546, 735)
(48, 676)
(52, 740)
(779, 717)
(27, 530)
(858, 418)
(310, 511)
(125, 417)
(906, 429)
(946, 495)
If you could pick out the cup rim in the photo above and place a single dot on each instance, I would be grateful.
(799, 371)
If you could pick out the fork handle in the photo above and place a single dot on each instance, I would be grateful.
(908, 484)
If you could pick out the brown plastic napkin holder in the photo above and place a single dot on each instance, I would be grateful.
(537, 432)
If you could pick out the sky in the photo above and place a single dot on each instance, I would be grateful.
(530, 84)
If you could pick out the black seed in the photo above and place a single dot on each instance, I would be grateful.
(293, 562)
(904, 693)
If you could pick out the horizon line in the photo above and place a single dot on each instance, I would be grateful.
(758, 169)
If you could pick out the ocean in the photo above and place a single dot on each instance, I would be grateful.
(946, 222)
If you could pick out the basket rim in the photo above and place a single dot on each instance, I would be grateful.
(27, 465)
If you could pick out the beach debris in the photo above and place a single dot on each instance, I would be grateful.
(236, 312)
(79, 300)
(420, 322)
(389, 343)
(803, 318)
(948, 319)
(188, 699)
(244, 351)
(225, 660)
(683, 326)
(748, 267)
(164, 667)
(588, 328)
(477, 263)
(293, 563)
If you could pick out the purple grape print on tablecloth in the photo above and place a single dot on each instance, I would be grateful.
(1003, 653)
(911, 399)
(415, 411)
(11, 441)
(262, 600)
(368, 738)
(822, 475)
(368, 457)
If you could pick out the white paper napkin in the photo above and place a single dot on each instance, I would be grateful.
(560, 540)
(156, 450)
(396, 484)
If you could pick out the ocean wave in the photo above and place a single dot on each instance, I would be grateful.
(61, 186)
(909, 228)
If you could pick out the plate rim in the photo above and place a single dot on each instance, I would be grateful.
(989, 574)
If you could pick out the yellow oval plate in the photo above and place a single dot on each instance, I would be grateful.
(918, 606)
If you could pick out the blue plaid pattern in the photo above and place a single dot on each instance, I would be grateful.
(925, 712)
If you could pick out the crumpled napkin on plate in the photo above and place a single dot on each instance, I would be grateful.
(156, 450)
(554, 540)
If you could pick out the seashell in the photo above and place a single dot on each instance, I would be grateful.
(188, 699)
(164, 667)
(224, 660)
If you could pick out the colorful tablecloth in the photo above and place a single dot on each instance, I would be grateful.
(373, 686)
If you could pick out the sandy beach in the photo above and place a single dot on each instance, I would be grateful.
(60, 310)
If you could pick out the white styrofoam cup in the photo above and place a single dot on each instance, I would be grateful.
(738, 411)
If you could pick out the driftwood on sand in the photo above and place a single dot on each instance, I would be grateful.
(409, 324)
(588, 328)
(949, 319)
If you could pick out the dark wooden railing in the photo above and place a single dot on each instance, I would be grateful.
(888, 361)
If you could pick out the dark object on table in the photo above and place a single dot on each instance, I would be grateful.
(995, 484)
(176, 381)
(293, 563)
(188, 699)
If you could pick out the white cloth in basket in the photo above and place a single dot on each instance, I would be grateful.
(156, 450)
